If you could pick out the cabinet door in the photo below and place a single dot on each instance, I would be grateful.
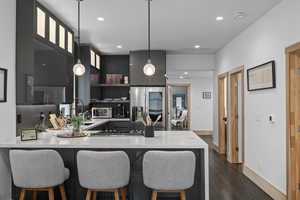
(92, 53)
(52, 30)
(137, 61)
(97, 61)
(40, 22)
(62, 37)
(70, 42)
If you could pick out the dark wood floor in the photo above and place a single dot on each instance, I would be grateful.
(227, 181)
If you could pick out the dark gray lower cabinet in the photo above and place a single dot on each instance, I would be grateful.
(136, 189)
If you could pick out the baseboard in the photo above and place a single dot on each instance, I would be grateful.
(203, 132)
(264, 184)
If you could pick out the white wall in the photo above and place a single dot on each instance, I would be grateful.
(265, 40)
(200, 69)
(7, 110)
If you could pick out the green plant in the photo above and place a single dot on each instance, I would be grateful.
(76, 121)
(39, 128)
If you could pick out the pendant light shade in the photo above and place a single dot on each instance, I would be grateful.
(149, 68)
(79, 68)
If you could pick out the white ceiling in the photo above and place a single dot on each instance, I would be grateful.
(177, 25)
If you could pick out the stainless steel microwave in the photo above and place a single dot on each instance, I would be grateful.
(101, 113)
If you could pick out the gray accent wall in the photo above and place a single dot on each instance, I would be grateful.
(138, 59)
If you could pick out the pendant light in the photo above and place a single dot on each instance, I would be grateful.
(78, 68)
(149, 68)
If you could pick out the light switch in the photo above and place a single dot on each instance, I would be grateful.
(271, 118)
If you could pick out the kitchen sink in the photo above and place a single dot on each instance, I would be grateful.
(88, 123)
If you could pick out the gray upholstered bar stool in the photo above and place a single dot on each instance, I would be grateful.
(169, 171)
(103, 172)
(38, 170)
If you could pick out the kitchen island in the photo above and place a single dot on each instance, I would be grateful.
(135, 147)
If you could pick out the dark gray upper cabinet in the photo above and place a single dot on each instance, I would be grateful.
(43, 68)
(137, 61)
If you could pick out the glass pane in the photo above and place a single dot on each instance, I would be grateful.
(92, 58)
(155, 104)
(70, 42)
(52, 30)
(97, 61)
(41, 21)
(62, 35)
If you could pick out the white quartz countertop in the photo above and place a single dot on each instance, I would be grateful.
(162, 140)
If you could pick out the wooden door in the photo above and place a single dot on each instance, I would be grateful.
(293, 63)
(234, 117)
(222, 112)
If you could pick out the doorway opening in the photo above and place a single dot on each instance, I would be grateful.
(179, 104)
(236, 118)
(222, 112)
(293, 121)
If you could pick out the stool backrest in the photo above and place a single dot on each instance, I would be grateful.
(36, 168)
(169, 170)
(103, 170)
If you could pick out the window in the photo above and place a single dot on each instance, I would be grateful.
(52, 30)
(97, 61)
(41, 22)
(70, 42)
(92, 58)
(62, 35)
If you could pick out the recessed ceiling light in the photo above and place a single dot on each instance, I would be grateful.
(119, 46)
(197, 46)
(220, 18)
(181, 77)
(101, 19)
(185, 73)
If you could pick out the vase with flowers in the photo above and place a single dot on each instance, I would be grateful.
(76, 122)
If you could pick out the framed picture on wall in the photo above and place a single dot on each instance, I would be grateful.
(3, 85)
(262, 77)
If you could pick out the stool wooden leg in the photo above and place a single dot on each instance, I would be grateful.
(154, 195)
(88, 195)
(116, 193)
(94, 195)
(182, 195)
(34, 195)
(62, 192)
(22, 194)
(123, 192)
(51, 193)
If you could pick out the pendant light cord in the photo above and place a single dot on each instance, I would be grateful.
(79, 29)
(149, 39)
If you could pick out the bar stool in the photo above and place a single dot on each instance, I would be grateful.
(38, 170)
(103, 172)
(169, 171)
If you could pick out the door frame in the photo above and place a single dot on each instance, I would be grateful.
(232, 119)
(293, 140)
(222, 147)
(189, 96)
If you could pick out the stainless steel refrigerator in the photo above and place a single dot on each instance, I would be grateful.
(148, 100)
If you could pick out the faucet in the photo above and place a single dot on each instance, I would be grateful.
(81, 102)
